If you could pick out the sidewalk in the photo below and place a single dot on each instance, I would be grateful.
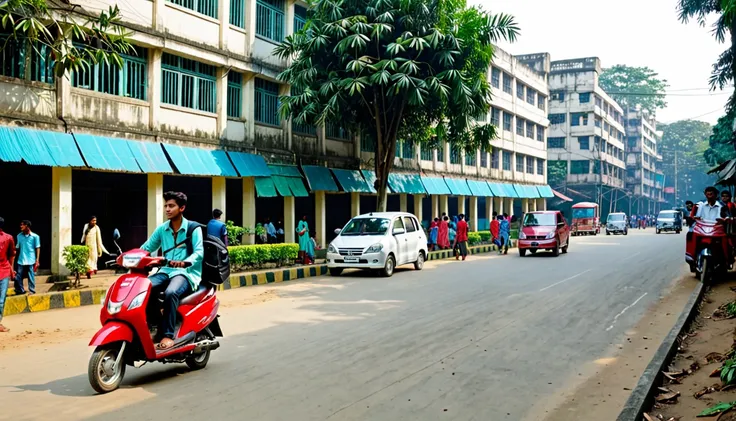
(94, 290)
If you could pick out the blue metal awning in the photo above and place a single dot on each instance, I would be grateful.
(223, 161)
(370, 178)
(503, 190)
(458, 186)
(510, 191)
(249, 165)
(150, 157)
(265, 187)
(193, 161)
(435, 185)
(526, 192)
(351, 181)
(319, 178)
(38, 147)
(284, 170)
(545, 191)
(107, 153)
(406, 183)
(479, 188)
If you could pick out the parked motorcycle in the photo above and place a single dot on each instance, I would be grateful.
(708, 251)
(126, 336)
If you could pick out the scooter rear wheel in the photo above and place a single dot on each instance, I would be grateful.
(198, 361)
(104, 375)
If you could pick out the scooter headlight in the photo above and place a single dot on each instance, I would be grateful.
(132, 260)
(113, 307)
(137, 301)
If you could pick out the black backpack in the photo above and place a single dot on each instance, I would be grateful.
(216, 261)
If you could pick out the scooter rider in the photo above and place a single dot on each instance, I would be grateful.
(711, 209)
(176, 280)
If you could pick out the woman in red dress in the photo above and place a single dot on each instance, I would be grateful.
(443, 236)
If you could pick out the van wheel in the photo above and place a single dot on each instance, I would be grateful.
(388, 268)
(522, 252)
(335, 271)
(419, 264)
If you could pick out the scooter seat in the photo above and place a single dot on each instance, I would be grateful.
(195, 298)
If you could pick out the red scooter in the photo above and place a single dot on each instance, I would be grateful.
(707, 250)
(125, 337)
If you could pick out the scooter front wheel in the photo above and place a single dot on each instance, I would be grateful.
(105, 372)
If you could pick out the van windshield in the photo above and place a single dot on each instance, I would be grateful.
(616, 218)
(366, 226)
(540, 219)
(583, 213)
(666, 215)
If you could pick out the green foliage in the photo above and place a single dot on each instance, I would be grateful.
(722, 141)
(485, 235)
(731, 309)
(75, 259)
(242, 257)
(75, 44)
(234, 233)
(556, 173)
(717, 409)
(632, 86)
(685, 141)
(474, 238)
(728, 372)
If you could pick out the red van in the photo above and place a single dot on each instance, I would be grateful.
(544, 230)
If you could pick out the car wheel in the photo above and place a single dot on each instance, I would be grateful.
(626, 232)
(608, 232)
(564, 249)
(522, 252)
(335, 271)
(419, 264)
(389, 266)
(658, 231)
(677, 232)
(556, 250)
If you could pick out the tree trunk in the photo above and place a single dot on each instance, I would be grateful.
(27, 69)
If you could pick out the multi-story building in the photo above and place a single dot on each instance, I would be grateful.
(196, 109)
(644, 175)
(586, 134)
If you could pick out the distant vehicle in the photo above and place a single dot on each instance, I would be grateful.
(617, 223)
(544, 230)
(378, 240)
(669, 220)
(585, 219)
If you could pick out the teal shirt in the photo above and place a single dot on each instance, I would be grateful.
(163, 238)
(27, 245)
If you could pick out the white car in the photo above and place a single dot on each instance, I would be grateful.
(378, 240)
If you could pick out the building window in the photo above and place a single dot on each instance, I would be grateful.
(494, 158)
(495, 116)
(531, 95)
(598, 122)
(399, 143)
(300, 17)
(335, 131)
(519, 162)
(557, 118)
(205, 7)
(495, 78)
(454, 154)
(237, 13)
(507, 83)
(407, 149)
(584, 97)
(519, 90)
(579, 167)
(234, 94)
(597, 143)
(470, 159)
(270, 19)
(484, 158)
(188, 83)
(267, 102)
(425, 152)
(579, 119)
(529, 164)
(129, 81)
(558, 95)
(584, 142)
(506, 161)
(520, 126)
(530, 129)
(507, 121)
(598, 102)
(367, 143)
(540, 133)
(441, 152)
(13, 58)
(556, 143)
(302, 128)
(541, 102)
(540, 166)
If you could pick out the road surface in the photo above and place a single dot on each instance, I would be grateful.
(493, 338)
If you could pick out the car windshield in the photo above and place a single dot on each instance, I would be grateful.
(583, 213)
(540, 219)
(616, 218)
(666, 215)
(366, 226)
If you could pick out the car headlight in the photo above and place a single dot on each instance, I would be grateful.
(332, 249)
(113, 307)
(375, 248)
(550, 236)
(137, 301)
(132, 260)
(522, 236)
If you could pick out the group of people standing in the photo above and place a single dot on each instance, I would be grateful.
(501, 232)
(642, 221)
(447, 234)
(18, 260)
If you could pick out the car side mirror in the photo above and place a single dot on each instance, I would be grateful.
(338, 231)
(398, 231)
(116, 234)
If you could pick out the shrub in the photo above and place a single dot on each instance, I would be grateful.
(234, 233)
(257, 255)
(473, 238)
(485, 235)
(75, 260)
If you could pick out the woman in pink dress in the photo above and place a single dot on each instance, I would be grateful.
(443, 236)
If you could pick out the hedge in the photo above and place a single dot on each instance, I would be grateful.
(257, 255)
(474, 238)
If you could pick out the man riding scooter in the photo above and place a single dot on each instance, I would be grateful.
(176, 280)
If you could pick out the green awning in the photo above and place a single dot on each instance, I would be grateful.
(545, 191)
(192, 161)
(370, 178)
(526, 192)
(250, 165)
(319, 178)
(223, 161)
(284, 170)
(458, 186)
(265, 187)
(435, 185)
(479, 188)
(351, 181)
(150, 157)
(107, 153)
(296, 185)
(282, 185)
(406, 183)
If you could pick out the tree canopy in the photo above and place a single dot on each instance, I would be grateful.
(395, 69)
(684, 142)
(632, 86)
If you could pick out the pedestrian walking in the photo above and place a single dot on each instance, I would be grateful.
(433, 230)
(28, 246)
(306, 248)
(92, 238)
(495, 230)
(7, 257)
(217, 228)
(443, 234)
(504, 232)
(461, 239)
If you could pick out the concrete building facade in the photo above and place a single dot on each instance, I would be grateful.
(644, 175)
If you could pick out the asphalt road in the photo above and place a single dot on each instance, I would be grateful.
(480, 340)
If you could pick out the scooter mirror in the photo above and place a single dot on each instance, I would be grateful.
(116, 234)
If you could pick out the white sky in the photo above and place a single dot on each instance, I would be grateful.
(631, 32)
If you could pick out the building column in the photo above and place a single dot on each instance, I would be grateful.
(403, 202)
(249, 99)
(461, 206)
(155, 203)
(489, 210)
(509, 206)
(525, 205)
(219, 196)
(250, 25)
(435, 207)
(354, 204)
(542, 204)
(474, 213)
(249, 208)
(224, 13)
(221, 89)
(320, 211)
(61, 216)
(154, 84)
(498, 205)
(158, 14)
(289, 219)
(285, 90)
(418, 206)
(443, 205)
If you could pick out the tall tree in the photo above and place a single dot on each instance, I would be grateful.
(682, 146)
(73, 41)
(394, 69)
(632, 86)
(721, 141)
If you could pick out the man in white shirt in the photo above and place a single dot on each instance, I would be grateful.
(711, 210)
